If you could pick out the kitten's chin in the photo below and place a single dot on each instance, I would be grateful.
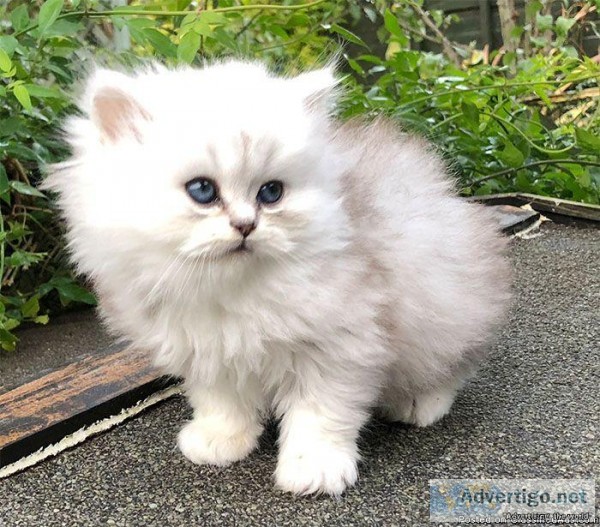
(238, 251)
(241, 250)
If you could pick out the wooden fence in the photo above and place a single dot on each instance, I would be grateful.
(480, 22)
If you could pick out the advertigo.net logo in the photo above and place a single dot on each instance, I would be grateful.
(512, 501)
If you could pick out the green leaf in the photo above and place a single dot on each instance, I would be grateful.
(406, 61)
(8, 43)
(509, 58)
(19, 18)
(5, 62)
(22, 95)
(11, 125)
(523, 183)
(8, 74)
(225, 39)
(7, 340)
(188, 20)
(355, 66)
(21, 151)
(210, 17)
(24, 188)
(160, 42)
(62, 28)
(299, 19)
(189, 44)
(533, 7)
(471, 112)
(541, 92)
(140, 23)
(563, 25)
(49, 13)
(23, 259)
(587, 140)
(11, 323)
(544, 22)
(348, 35)
(392, 25)
(16, 230)
(202, 27)
(584, 178)
(31, 308)
(511, 155)
(282, 33)
(71, 292)
(516, 32)
(43, 92)
(4, 185)
(41, 319)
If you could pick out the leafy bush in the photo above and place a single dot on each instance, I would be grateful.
(524, 119)
(521, 118)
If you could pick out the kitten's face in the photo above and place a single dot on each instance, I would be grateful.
(225, 164)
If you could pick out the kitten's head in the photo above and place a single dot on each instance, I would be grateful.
(227, 163)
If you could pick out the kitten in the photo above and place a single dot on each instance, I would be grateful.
(281, 262)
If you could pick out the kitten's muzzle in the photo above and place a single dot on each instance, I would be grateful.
(241, 248)
(243, 227)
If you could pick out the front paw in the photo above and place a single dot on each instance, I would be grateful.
(421, 410)
(321, 468)
(214, 442)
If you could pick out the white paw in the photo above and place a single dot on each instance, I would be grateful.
(423, 410)
(318, 469)
(214, 443)
(432, 406)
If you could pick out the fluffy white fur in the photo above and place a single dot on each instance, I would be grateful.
(369, 285)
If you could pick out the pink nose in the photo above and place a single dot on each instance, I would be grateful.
(244, 228)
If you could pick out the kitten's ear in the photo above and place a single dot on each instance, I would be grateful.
(112, 108)
(317, 88)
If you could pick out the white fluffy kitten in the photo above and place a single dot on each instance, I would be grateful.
(277, 260)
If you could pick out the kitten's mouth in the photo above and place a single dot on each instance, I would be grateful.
(241, 248)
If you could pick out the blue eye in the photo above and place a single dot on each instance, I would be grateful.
(270, 192)
(202, 190)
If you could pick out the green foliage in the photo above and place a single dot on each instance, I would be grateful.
(526, 120)
(500, 132)
(33, 75)
(522, 118)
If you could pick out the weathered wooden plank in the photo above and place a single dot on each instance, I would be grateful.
(45, 410)
(513, 219)
(546, 205)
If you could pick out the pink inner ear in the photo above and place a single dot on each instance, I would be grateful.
(116, 114)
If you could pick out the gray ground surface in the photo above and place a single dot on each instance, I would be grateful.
(532, 413)
(46, 348)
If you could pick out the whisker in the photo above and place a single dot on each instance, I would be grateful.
(163, 277)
